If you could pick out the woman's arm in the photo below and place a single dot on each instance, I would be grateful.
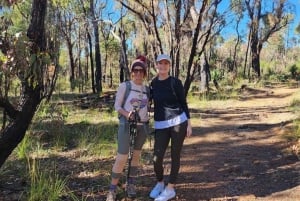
(119, 101)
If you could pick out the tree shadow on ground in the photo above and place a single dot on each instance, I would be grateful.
(222, 161)
(240, 157)
(232, 166)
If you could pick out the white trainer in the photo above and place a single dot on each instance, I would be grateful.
(158, 188)
(166, 195)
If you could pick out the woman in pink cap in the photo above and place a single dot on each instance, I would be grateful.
(136, 99)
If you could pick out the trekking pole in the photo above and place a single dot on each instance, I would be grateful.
(151, 134)
(133, 120)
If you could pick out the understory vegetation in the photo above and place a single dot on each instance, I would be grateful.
(62, 61)
(61, 126)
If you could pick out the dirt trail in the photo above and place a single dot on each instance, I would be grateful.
(237, 151)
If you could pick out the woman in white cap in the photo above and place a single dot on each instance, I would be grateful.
(125, 103)
(171, 122)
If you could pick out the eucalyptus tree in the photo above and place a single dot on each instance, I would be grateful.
(179, 28)
(111, 51)
(122, 38)
(67, 26)
(31, 58)
(208, 23)
(95, 21)
(238, 16)
(80, 20)
(266, 18)
(145, 25)
(89, 44)
(88, 15)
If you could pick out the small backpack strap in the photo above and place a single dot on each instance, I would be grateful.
(147, 91)
(173, 86)
(127, 91)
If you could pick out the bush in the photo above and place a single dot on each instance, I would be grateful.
(295, 72)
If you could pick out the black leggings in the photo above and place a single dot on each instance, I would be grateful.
(162, 138)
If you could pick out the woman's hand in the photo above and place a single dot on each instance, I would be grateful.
(189, 129)
(129, 115)
(133, 116)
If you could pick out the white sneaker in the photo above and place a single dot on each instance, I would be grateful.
(158, 188)
(167, 194)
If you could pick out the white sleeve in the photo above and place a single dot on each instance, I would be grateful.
(120, 96)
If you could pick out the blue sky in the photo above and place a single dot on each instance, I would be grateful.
(229, 30)
(297, 13)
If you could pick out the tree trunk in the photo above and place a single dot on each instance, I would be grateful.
(72, 64)
(92, 61)
(255, 53)
(31, 95)
(124, 70)
(204, 76)
(177, 37)
(90, 50)
(256, 63)
(235, 66)
(14, 132)
(189, 78)
(80, 70)
(246, 55)
(98, 72)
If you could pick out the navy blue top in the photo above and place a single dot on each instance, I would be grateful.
(169, 99)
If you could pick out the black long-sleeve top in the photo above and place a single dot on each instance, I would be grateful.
(169, 98)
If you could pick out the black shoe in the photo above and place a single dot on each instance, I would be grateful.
(131, 190)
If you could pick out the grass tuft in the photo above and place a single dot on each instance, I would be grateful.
(44, 185)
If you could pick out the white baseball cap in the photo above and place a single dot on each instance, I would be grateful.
(163, 57)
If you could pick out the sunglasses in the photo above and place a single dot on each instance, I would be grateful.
(138, 70)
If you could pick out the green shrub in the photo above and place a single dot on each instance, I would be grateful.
(295, 72)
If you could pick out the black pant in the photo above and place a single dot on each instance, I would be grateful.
(162, 138)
